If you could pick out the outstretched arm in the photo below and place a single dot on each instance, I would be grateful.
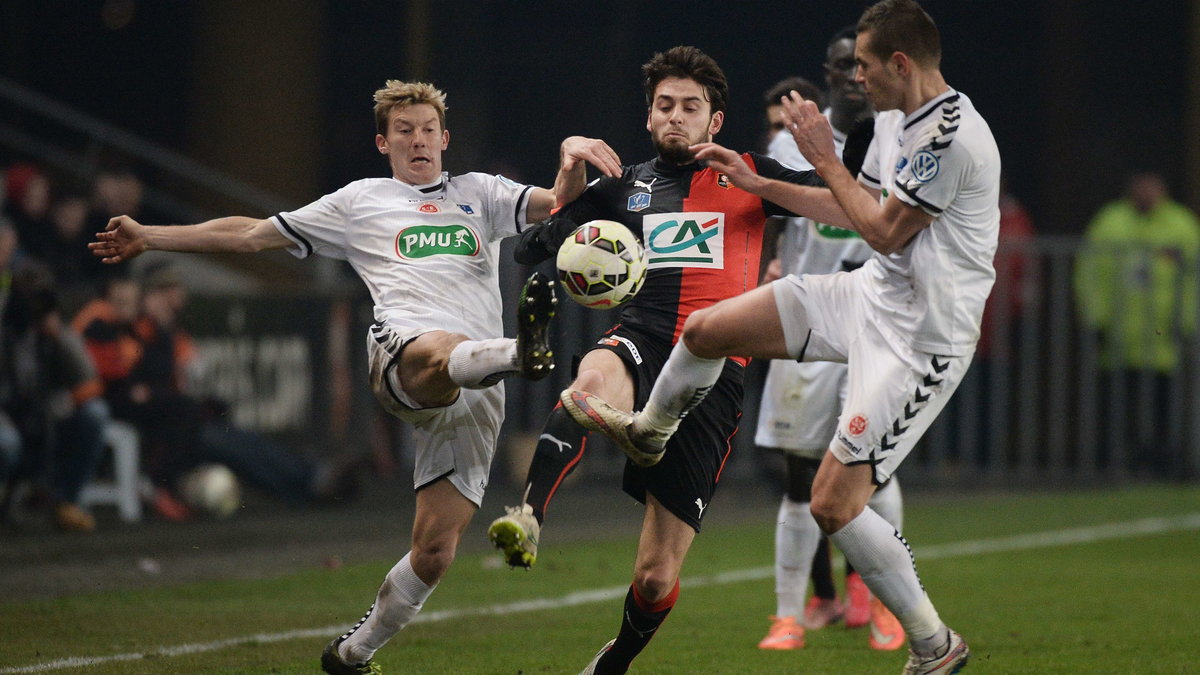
(805, 200)
(575, 154)
(124, 238)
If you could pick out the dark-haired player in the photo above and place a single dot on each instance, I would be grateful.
(703, 238)
(906, 322)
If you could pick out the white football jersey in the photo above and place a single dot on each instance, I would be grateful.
(807, 246)
(942, 159)
(801, 401)
(427, 254)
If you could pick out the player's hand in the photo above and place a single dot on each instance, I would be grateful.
(810, 129)
(121, 240)
(593, 151)
(727, 162)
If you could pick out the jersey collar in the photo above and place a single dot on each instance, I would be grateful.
(429, 188)
(924, 111)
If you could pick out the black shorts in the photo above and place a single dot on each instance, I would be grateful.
(686, 477)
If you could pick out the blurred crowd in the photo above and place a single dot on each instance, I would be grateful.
(83, 344)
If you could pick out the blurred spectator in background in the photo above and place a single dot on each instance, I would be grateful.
(774, 109)
(27, 204)
(1136, 289)
(76, 269)
(10, 438)
(144, 361)
(51, 395)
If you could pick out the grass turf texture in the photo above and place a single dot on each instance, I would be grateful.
(1125, 605)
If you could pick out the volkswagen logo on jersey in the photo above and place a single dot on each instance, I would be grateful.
(693, 239)
(423, 241)
(925, 166)
(638, 201)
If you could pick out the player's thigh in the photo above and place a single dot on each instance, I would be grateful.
(744, 325)
(441, 516)
(605, 374)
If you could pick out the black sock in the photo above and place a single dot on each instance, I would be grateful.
(639, 623)
(554, 459)
(822, 572)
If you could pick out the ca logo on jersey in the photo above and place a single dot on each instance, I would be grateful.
(423, 241)
(694, 239)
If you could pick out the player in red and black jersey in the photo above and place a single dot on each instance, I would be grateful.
(703, 237)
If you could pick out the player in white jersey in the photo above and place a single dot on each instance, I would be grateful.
(425, 243)
(801, 401)
(906, 322)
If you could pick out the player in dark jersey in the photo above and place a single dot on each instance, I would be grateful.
(703, 238)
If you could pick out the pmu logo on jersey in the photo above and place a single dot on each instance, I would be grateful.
(428, 207)
(423, 241)
(694, 239)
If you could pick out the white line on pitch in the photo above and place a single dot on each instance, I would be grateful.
(1020, 542)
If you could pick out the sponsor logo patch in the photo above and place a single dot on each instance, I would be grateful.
(857, 425)
(423, 241)
(925, 166)
(694, 239)
(638, 201)
(466, 208)
(614, 340)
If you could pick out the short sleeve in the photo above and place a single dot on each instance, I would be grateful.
(934, 176)
(505, 203)
(319, 227)
(870, 174)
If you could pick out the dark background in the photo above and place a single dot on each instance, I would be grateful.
(279, 93)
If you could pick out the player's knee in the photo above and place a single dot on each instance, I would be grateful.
(700, 335)
(431, 560)
(830, 513)
(653, 585)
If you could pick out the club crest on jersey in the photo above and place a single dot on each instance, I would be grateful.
(723, 181)
(423, 241)
(428, 207)
(638, 201)
(466, 208)
(925, 166)
(857, 425)
(693, 239)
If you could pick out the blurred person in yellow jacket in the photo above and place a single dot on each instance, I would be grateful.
(1135, 284)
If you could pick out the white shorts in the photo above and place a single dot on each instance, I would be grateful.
(893, 392)
(456, 442)
(800, 407)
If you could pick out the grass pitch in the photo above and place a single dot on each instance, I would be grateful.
(1080, 598)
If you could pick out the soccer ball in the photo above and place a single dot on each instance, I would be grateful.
(211, 489)
(602, 264)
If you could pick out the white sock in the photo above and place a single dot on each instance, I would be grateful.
(883, 558)
(889, 504)
(796, 539)
(399, 600)
(478, 364)
(684, 382)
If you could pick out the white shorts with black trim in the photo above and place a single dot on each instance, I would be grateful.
(893, 392)
(456, 442)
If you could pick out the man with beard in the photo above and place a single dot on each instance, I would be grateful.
(906, 322)
(801, 401)
(703, 238)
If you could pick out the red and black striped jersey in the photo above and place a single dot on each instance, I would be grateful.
(703, 236)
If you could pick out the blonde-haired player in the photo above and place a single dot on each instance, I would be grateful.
(426, 245)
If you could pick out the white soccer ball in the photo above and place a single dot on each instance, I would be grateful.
(211, 489)
(602, 264)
